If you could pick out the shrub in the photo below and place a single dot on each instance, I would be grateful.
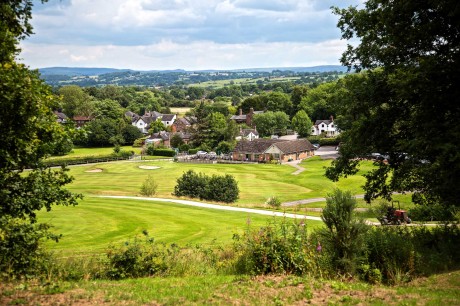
(136, 259)
(192, 151)
(276, 248)
(273, 202)
(215, 188)
(151, 150)
(343, 237)
(139, 142)
(149, 187)
(222, 189)
(191, 184)
(21, 251)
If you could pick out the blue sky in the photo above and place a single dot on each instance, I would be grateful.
(184, 34)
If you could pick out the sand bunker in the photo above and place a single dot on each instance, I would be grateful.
(149, 167)
(94, 170)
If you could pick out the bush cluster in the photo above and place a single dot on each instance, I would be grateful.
(332, 141)
(214, 188)
(151, 150)
(276, 248)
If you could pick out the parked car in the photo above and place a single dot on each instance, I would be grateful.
(315, 146)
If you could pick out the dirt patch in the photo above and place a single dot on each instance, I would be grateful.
(149, 167)
(96, 170)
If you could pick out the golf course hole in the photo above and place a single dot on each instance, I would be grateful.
(149, 167)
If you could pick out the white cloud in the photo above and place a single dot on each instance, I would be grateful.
(188, 33)
(193, 56)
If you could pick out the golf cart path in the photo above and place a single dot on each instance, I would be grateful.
(313, 200)
(221, 207)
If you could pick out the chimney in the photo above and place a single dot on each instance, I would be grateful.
(241, 112)
(251, 110)
(332, 118)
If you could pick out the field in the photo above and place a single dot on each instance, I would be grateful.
(96, 222)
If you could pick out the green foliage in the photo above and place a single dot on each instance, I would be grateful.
(225, 147)
(151, 150)
(130, 134)
(276, 248)
(343, 237)
(157, 126)
(21, 250)
(149, 187)
(433, 212)
(302, 123)
(401, 253)
(222, 189)
(270, 123)
(214, 188)
(176, 141)
(273, 202)
(404, 99)
(136, 259)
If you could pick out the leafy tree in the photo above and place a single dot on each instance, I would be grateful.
(102, 133)
(176, 141)
(298, 92)
(343, 237)
(76, 102)
(130, 133)
(270, 123)
(157, 126)
(225, 147)
(108, 109)
(319, 102)
(302, 123)
(278, 101)
(411, 50)
(29, 132)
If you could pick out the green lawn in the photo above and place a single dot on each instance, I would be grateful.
(96, 222)
(257, 182)
(93, 152)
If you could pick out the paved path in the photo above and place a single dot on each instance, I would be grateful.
(221, 207)
(295, 164)
(313, 200)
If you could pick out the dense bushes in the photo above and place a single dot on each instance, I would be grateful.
(276, 248)
(214, 188)
(21, 252)
(151, 150)
(333, 141)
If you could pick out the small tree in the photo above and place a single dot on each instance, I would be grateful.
(302, 123)
(343, 237)
(149, 187)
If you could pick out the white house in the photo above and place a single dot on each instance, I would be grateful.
(327, 127)
(248, 134)
(143, 123)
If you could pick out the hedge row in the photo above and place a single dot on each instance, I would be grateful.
(83, 160)
(160, 152)
(324, 141)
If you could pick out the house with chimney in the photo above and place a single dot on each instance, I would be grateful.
(143, 122)
(245, 118)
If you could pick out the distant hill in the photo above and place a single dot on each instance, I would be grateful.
(60, 76)
(324, 68)
(75, 71)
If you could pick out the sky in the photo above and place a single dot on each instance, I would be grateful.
(184, 34)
